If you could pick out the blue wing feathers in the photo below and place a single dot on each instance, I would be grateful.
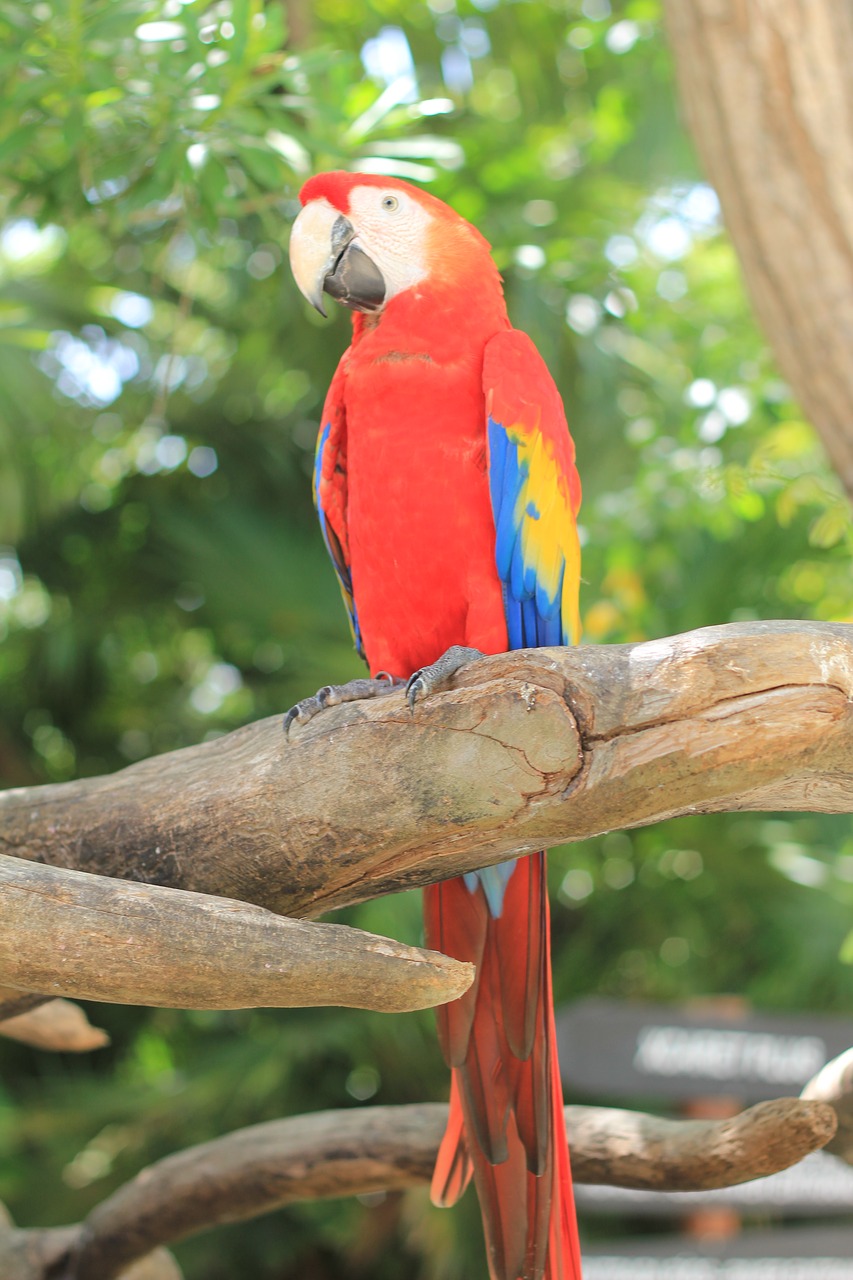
(517, 584)
(497, 456)
(553, 632)
(318, 471)
(531, 623)
(503, 502)
(550, 609)
(512, 610)
(333, 542)
(494, 880)
(518, 573)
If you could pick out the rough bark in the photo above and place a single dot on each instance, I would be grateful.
(527, 749)
(768, 96)
(70, 933)
(343, 1153)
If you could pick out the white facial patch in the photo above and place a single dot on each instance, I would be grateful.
(392, 234)
(310, 248)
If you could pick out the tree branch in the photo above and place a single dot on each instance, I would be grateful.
(70, 933)
(528, 749)
(59, 1025)
(768, 97)
(344, 1153)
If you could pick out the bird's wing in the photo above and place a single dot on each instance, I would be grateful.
(535, 492)
(330, 491)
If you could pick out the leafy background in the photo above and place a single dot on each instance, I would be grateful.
(162, 578)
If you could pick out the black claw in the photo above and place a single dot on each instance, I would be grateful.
(414, 686)
(322, 696)
(307, 708)
(295, 713)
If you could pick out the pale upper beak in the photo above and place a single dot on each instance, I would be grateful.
(324, 257)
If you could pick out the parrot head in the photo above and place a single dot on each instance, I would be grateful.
(364, 239)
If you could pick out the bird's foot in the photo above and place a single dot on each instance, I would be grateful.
(437, 676)
(333, 695)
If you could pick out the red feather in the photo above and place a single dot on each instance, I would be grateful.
(510, 1102)
(453, 1166)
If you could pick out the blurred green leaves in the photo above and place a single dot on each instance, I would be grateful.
(145, 112)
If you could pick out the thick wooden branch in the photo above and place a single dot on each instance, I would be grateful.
(768, 96)
(70, 933)
(343, 1153)
(528, 749)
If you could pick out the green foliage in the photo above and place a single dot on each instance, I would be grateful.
(161, 574)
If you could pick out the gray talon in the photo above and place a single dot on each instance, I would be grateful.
(333, 695)
(437, 676)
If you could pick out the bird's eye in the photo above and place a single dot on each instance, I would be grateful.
(390, 203)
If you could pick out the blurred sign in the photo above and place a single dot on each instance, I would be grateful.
(820, 1184)
(608, 1047)
(760, 1255)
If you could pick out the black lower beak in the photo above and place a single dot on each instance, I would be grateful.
(354, 279)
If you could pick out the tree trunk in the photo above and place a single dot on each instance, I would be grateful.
(768, 94)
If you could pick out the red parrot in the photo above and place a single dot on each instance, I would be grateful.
(447, 492)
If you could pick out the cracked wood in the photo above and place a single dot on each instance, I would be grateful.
(525, 750)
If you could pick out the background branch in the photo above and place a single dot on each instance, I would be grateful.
(344, 1153)
(59, 1025)
(529, 749)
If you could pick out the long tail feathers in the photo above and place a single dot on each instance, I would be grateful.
(506, 1123)
(453, 1166)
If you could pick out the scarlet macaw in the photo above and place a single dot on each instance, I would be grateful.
(447, 493)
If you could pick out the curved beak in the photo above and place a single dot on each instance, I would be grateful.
(324, 257)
